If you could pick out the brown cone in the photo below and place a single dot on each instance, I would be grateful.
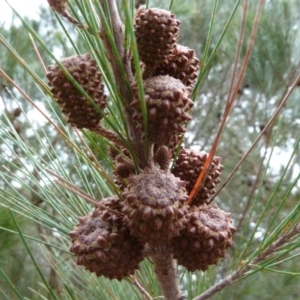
(155, 206)
(208, 233)
(183, 65)
(156, 32)
(189, 165)
(80, 112)
(104, 245)
(168, 105)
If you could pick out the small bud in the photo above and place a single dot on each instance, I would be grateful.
(17, 112)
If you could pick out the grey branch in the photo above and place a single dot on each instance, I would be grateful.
(238, 274)
(166, 273)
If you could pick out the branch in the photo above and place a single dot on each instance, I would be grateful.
(75, 22)
(123, 84)
(238, 274)
(79, 192)
(109, 135)
(121, 66)
(253, 190)
(166, 273)
(143, 291)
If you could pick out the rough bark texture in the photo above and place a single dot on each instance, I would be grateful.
(166, 272)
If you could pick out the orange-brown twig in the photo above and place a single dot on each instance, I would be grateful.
(231, 97)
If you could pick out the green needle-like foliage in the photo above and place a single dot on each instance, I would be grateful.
(51, 173)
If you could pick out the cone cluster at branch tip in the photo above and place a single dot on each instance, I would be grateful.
(151, 209)
(80, 111)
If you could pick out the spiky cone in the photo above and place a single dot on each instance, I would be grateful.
(204, 240)
(182, 64)
(189, 165)
(168, 105)
(156, 32)
(80, 112)
(103, 244)
(155, 206)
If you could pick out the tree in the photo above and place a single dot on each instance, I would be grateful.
(266, 217)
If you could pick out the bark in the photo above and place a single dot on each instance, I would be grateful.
(166, 272)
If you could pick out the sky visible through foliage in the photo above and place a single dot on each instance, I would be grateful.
(31, 9)
(25, 8)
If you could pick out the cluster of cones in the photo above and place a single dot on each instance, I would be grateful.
(152, 210)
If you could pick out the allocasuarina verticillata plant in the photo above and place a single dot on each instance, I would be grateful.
(154, 214)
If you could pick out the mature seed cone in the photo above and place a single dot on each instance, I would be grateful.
(156, 32)
(155, 206)
(104, 245)
(183, 65)
(189, 165)
(58, 5)
(80, 112)
(168, 105)
(208, 233)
